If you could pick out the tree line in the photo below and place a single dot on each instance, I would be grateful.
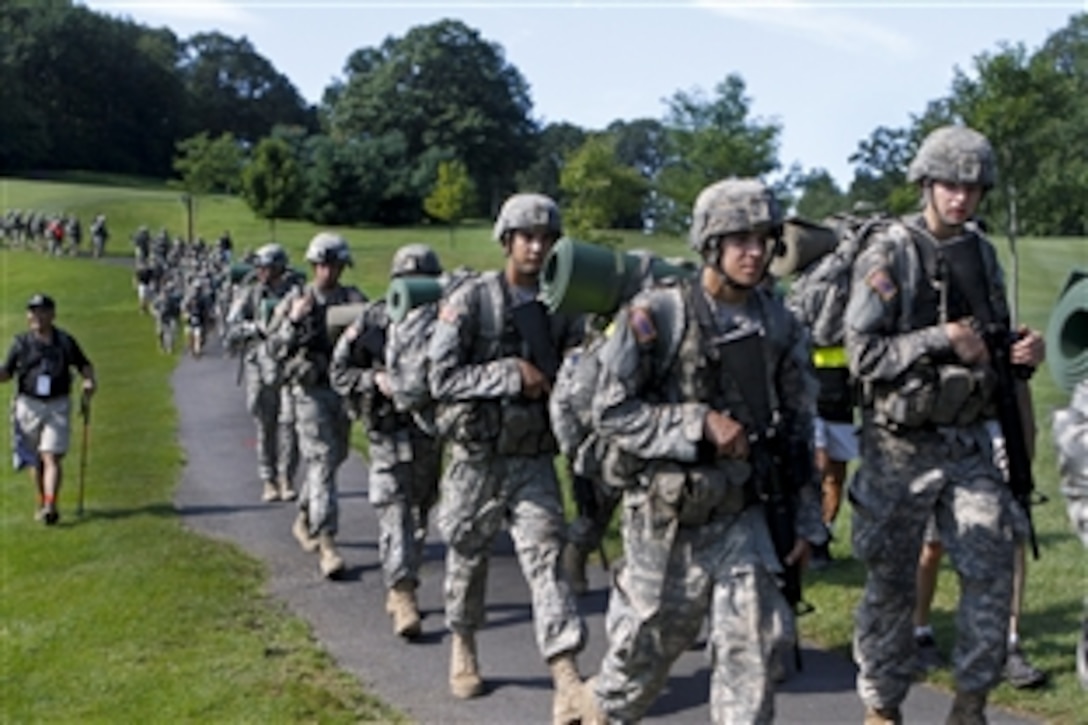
(437, 124)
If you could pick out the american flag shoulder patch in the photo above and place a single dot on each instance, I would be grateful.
(449, 314)
(642, 325)
(881, 282)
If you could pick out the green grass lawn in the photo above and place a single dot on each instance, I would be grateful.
(142, 631)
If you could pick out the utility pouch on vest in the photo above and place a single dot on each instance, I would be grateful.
(525, 430)
(908, 404)
(471, 422)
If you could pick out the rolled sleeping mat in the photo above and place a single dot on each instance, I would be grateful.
(239, 271)
(337, 317)
(406, 293)
(1067, 333)
(591, 278)
(804, 242)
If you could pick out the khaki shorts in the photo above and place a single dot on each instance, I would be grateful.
(44, 423)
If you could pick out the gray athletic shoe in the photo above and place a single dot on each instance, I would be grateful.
(1020, 673)
(929, 658)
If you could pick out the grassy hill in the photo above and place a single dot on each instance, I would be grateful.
(121, 616)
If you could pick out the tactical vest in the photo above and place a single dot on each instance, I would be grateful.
(936, 390)
(514, 426)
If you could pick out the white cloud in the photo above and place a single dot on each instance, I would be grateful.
(835, 28)
(218, 12)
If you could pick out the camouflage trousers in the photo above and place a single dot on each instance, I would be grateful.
(903, 481)
(403, 483)
(324, 431)
(1070, 428)
(671, 582)
(479, 491)
(277, 440)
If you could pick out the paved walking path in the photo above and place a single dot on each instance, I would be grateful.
(220, 496)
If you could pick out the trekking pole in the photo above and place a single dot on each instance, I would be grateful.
(85, 414)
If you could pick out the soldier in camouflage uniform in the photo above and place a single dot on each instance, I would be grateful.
(300, 341)
(267, 398)
(927, 390)
(1070, 427)
(492, 409)
(696, 537)
(404, 460)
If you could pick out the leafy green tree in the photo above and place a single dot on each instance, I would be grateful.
(880, 170)
(642, 145)
(272, 182)
(552, 146)
(820, 195)
(441, 86)
(206, 165)
(234, 89)
(598, 189)
(708, 139)
(453, 195)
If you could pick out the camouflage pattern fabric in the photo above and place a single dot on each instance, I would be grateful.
(893, 327)
(267, 400)
(474, 375)
(322, 422)
(1070, 427)
(404, 462)
(696, 541)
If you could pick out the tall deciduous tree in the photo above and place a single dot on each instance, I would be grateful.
(453, 195)
(206, 165)
(552, 146)
(440, 86)
(820, 195)
(598, 189)
(234, 89)
(272, 182)
(711, 138)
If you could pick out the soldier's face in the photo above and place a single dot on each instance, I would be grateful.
(39, 318)
(327, 275)
(744, 257)
(953, 204)
(528, 248)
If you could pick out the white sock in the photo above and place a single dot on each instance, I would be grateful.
(1014, 640)
(923, 631)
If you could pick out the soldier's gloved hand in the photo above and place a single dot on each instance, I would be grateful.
(726, 435)
(1029, 349)
(966, 343)
(300, 307)
(799, 554)
(381, 379)
(534, 383)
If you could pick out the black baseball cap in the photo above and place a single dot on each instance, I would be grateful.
(42, 301)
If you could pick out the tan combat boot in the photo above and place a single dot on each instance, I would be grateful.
(465, 679)
(287, 492)
(573, 561)
(591, 712)
(401, 604)
(969, 708)
(270, 492)
(568, 704)
(332, 565)
(883, 716)
(301, 531)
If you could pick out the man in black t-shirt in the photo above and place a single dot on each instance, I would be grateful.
(41, 361)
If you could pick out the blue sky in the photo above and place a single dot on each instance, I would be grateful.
(830, 71)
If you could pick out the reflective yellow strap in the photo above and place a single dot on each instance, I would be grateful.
(829, 357)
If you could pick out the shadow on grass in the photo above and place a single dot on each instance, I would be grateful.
(162, 510)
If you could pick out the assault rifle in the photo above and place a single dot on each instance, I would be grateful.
(780, 463)
(966, 277)
(531, 322)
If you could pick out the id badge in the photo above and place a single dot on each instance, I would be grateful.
(43, 386)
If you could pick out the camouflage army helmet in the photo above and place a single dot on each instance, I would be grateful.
(270, 255)
(328, 248)
(415, 259)
(525, 211)
(955, 154)
(732, 206)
